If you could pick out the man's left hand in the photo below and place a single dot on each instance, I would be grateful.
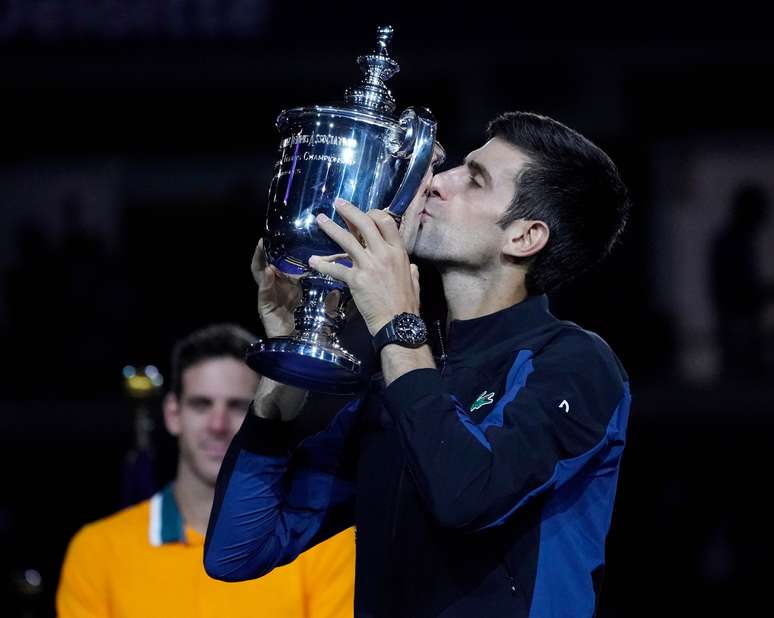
(383, 281)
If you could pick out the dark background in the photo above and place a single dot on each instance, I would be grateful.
(136, 146)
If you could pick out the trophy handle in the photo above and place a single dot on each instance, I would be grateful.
(420, 126)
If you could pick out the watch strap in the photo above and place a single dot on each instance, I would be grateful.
(385, 335)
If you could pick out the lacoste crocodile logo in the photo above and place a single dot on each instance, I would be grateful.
(484, 399)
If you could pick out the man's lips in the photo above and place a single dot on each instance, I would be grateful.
(215, 450)
(431, 205)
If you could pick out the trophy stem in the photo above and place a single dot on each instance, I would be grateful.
(322, 311)
(312, 357)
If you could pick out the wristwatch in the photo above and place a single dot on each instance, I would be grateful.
(406, 329)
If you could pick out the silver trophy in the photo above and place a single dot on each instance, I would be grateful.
(364, 153)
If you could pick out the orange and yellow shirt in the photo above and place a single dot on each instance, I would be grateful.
(144, 562)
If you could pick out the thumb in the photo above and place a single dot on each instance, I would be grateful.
(268, 279)
(258, 264)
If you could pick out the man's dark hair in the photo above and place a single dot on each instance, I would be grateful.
(214, 341)
(570, 185)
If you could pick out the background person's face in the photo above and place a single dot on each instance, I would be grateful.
(215, 394)
(459, 223)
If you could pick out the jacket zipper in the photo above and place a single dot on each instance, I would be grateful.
(511, 578)
(441, 346)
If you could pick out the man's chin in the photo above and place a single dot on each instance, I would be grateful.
(209, 473)
(421, 248)
(210, 479)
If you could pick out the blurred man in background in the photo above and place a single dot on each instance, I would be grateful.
(146, 561)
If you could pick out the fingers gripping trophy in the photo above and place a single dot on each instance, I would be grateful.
(364, 153)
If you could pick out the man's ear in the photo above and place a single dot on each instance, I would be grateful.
(524, 238)
(171, 408)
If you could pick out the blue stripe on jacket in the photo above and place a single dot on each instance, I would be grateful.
(574, 524)
(517, 378)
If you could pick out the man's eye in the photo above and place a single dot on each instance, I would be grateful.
(474, 183)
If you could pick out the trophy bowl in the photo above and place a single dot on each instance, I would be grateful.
(361, 152)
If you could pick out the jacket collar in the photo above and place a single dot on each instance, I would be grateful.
(473, 336)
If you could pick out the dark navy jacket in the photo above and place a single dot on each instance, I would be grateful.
(482, 488)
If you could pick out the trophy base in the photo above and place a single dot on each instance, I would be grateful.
(314, 367)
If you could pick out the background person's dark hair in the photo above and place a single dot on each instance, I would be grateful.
(569, 184)
(214, 341)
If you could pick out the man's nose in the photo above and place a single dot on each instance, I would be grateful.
(439, 186)
(217, 420)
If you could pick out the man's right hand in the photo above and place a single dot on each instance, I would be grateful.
(278, 295)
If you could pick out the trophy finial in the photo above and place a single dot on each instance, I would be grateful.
(383, 38)
(377, 67)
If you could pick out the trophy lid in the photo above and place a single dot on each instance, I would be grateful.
(378, 67)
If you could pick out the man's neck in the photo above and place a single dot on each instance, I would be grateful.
(194, 498)
(473, 294)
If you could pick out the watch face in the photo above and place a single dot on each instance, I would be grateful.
(410, 329)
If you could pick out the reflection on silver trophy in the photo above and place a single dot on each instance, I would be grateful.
(364, 153)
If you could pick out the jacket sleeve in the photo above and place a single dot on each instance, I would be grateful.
(561, 412)
(271, 504)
